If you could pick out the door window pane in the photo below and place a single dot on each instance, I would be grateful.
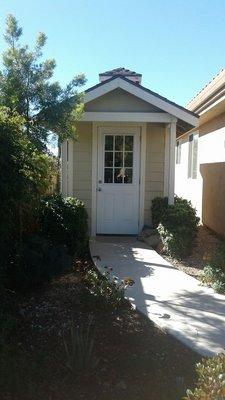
(119, 142)
(128, 175)
(118, 159)
(109, 142)
(108, 175)
(118, 175)
(128, 159)
(129, 143)
(108, 159)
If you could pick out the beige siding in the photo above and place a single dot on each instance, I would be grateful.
(82, 171)
(154, 175)
(82, 165)
(121, 101)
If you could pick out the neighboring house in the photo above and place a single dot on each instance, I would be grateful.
(124, 154)
(200, 156)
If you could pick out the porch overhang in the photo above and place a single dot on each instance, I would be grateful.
(94, 116)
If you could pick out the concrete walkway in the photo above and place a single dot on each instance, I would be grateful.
(172, 299)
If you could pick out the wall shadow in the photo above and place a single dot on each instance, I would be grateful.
(213, 196)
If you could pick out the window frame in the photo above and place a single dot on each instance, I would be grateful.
(124, 151)
(193, 155)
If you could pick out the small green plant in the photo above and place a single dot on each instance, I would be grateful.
(107, 292)
(214, 273)
(177, 225)
(211, 380)
(79, 349)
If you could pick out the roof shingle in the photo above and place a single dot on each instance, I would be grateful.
(121, 71)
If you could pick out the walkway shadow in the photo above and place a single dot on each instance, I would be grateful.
(196, 308)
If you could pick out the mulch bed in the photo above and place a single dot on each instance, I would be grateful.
(137, 361)
(205, 245)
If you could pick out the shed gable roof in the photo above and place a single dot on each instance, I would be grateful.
(143, 93)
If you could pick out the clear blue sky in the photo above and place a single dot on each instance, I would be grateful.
(178, 45)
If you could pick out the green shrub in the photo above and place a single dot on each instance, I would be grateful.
(214, 273)
(177, 226)
(64, 222)
(159, 207)
(211, 380)
(36, 262)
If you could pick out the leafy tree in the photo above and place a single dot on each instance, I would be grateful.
(26, 87)
(25, 175)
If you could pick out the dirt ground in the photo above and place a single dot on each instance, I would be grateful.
(136, 360)
(205, 245)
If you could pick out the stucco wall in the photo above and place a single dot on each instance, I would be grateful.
(211, 149)
(82, 149)
(213, 196)
(154, 174)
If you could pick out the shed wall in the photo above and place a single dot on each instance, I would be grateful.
(154, 169)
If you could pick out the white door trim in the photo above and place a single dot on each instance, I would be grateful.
(142, 176)
(94, 178)
(95, 127)
(169, 161)
(172, 162)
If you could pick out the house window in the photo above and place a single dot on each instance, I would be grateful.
(192, 156)
(178, 152)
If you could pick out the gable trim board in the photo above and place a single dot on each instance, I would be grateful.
(144, 94)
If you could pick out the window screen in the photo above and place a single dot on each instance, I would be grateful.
(193, 156)
(178, 152)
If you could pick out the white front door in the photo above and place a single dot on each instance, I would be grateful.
(118, 180)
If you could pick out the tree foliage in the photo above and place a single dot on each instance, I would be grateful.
(27, 87)
(25, 175)
(32, 106)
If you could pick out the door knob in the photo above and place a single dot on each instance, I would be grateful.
(99, 189)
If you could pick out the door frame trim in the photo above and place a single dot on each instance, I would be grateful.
(142, 158)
